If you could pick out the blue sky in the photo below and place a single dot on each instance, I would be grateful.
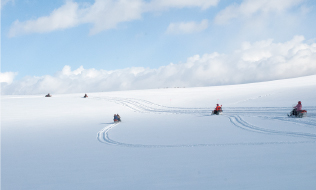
(41, 38)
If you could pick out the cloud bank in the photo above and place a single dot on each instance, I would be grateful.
(253, 62)
(187, 27)
(249, 8)
(103, 14)
(7, 77)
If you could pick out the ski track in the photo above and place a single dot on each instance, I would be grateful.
(233, 114)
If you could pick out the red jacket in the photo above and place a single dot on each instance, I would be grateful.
(298, 107)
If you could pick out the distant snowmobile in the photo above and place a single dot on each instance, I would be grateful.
(218, 110)
(297, 111)
(48, 95)
(300, 114)
(85, 96)
(117, 118)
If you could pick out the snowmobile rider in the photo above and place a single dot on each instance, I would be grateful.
(297, 108)
(217, 109)
(118, 117)
(115, 118)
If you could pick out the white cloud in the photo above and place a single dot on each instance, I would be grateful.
(106, 14)
(166, 4)
(4, 2)
(103, 14)
(253, 62)
(187, 27)
(7, 77)
(248, 8)
(64, 17)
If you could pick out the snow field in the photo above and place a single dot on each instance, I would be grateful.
(167, 139)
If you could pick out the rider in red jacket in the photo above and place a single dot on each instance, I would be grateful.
(217, 109)
(297, 108)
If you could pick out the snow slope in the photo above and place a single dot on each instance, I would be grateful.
(167, 139)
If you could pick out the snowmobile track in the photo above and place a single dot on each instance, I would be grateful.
(143, 106)
(239, 122)
(103, 137)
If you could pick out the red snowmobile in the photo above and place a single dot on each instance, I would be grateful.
(218, 110)
(299, 114)
(297, 111)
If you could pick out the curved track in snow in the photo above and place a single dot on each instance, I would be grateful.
(103, 137)
(144, 106)
(239, 122)
(233, 114)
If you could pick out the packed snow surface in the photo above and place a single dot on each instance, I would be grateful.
(167, 139)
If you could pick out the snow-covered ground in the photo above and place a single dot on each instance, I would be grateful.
(167, 139)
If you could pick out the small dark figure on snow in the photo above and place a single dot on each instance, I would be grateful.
(85, 96)
(115, 118)
(48, 95)
(118, 117)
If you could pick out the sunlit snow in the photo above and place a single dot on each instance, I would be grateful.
(167, 139)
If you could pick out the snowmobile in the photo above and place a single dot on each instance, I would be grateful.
(218, 110)
(85, 96)
(299, 114)
(117, 118)
(48, 95)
